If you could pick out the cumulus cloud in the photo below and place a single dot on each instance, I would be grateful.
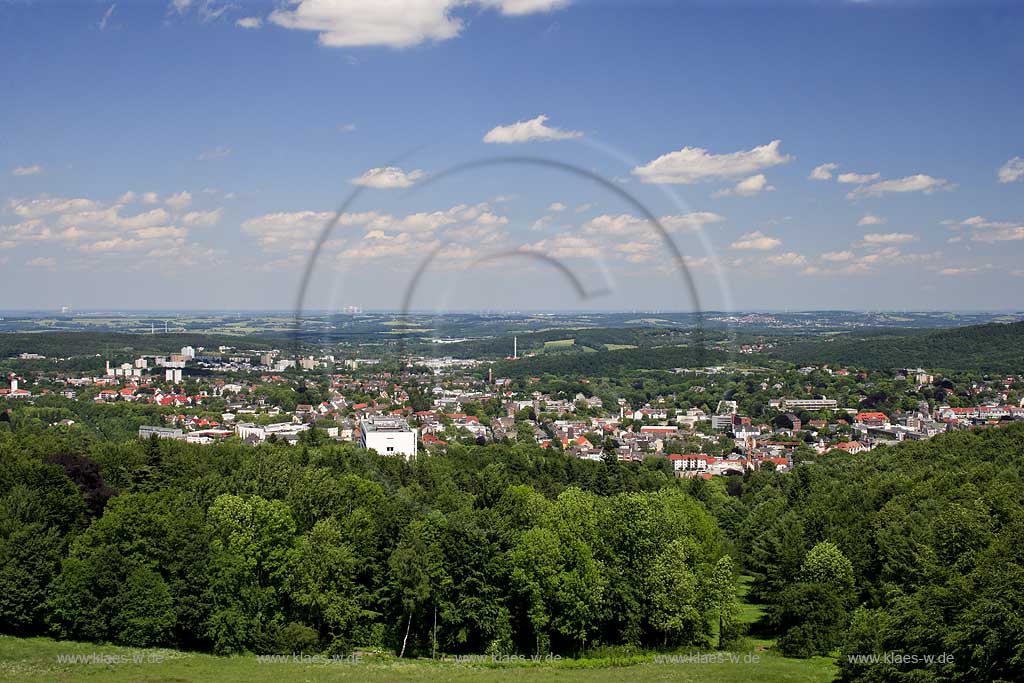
(93, 227)
(44, 206)
(565, 246)
(391, 23)
(869, 219)
(980, 229)
(249, 22)
(837, 256)
(789, 259)
(883, 238)
(527, 131)
(297, 231)
(857, 178)
(823, 172)
(34, 169)
(756, 241)
(694, 164)
(628, 224)
(179, 201)
(388, 178)
(748, 187)
(925, 184)
(513, 8)
(1012, 170)
(557, 206)
(202, 219)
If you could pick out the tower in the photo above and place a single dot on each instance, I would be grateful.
(515, 348)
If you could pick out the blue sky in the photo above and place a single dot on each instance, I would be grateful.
(800, 155)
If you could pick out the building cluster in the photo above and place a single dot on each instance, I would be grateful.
(255, 396)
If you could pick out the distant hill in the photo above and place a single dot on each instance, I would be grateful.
(64, 344)
(997, 348)
(610, 363)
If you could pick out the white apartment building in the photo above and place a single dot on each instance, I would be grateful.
(388, 436)
(820, 403)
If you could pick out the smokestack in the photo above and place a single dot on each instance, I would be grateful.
(515, 348)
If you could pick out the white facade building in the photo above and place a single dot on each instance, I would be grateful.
(388, 436)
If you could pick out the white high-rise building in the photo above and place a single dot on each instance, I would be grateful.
(173, 375)
(188, 352)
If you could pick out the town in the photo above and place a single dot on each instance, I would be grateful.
(705, 421)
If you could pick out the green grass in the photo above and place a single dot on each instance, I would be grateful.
(619, 347)
(36, 660)
(559, 343)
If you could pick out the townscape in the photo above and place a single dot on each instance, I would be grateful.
(705, 421)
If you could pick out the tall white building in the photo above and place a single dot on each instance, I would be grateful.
(388, 436)
(188, 352)
(173, 375)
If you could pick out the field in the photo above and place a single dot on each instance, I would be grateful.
(39, 660)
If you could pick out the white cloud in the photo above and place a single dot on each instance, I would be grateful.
(568, 246)
(869, 219)
(44, 206)
(249, 22)
(34, 169)
(748, 187)
(1012, 170)
(202, 219)
(857, 178)
(92, 227)
(514, 8)
(388, 178)
(628, 224)
(694, 164)
(837, 256)
(583, 208)
(215, 154)
(881, 238)
(556, 207)
(526, 131)
(790, 259)
(914, 183)
(357, 23)
(756, 241)
(290, 230)
(179, 201)
(150, 198)
(298, 230)
(391, 23)
(823, 172)
(983, 230)
(346, 127)
(963, 270)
